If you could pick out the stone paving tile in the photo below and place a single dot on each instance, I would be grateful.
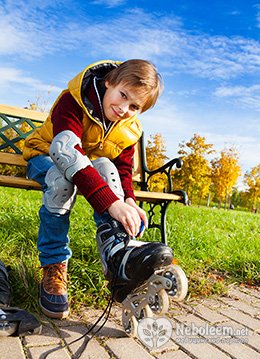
(252, 338)
(213, 303)
(47, 336)
(238, 349)
(239, 310)
(113, 326)
(112, 329)
(242, 306)
(70, 321)
(170, 346)
(94, 351)
(251, 291)
(234, 346)
(40, 351)
(176, 308)
(11, 348)
(179, 354)
(240, 294)
(195, 346)
(212, 316)
(93, 348)
(242, 318)
(127, 348)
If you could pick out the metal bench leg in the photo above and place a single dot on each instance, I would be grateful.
(162, 225)
(164, 207)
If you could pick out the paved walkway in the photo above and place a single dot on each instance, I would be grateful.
(223, 327)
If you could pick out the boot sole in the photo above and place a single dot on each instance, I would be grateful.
(54, 315)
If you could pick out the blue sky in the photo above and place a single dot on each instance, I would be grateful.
(207, 52)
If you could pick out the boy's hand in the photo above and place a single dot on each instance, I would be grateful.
(128, 215)
(141, 212)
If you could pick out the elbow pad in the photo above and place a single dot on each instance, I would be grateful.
(66, 157)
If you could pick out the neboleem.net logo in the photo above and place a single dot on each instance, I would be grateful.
(154, 333)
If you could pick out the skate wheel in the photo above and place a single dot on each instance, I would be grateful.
(147, 312)
(160, 304)
(130, 325)
(179, 282)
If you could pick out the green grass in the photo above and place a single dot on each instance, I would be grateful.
(214, 247)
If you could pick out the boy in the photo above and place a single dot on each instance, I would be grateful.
(87, 143)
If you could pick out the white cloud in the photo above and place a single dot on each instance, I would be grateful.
(27, 30)
(162, 39)
(10, 76)
(258, 14)
(248, 97)
(16, 88)
(108, 3)
(174, 47)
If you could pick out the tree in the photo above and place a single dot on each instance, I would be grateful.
(41, 102)
(195, 175)
(156, 157)
(252, 180)
(225, 172)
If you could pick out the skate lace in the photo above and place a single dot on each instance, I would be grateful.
(55, 278)
(91, 330)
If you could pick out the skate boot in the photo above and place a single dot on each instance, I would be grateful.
(14, 321)
(5, 291)
(128, 263)
(140, 274)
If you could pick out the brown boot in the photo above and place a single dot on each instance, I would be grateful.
(53, 291)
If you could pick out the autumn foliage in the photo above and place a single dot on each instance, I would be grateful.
(225, 172)
(195, 175)
(252, 180)
(203, 176)
(156, 157)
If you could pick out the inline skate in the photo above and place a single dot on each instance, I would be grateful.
(14, 321)
(140, 274)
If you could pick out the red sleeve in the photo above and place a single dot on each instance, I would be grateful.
(68, 115)
(124, 165)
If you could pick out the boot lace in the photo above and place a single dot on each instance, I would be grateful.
(55, 278)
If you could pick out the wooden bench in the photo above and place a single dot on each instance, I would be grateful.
(16, 124)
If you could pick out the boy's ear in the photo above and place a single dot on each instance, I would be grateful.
(107, 84)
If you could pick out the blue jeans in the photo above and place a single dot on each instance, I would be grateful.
(53, 239)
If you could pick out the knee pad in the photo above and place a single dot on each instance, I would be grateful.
(66, 157)
(109, 173)
(60, 194)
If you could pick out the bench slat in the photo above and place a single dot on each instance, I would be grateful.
(22, 112)
(156, 197)
(18, 182)
(12, 159)
(24, 183)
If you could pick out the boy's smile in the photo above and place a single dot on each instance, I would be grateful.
(120, 102)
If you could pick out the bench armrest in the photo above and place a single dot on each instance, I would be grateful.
(166, 169)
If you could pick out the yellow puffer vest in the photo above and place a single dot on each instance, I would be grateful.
(95, 143)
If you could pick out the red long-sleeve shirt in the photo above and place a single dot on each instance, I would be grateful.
(68, 115)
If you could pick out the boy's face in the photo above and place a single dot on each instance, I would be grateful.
(120, 102)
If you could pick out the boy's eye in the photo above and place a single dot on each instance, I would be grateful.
(123, 95)
(135, 108)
